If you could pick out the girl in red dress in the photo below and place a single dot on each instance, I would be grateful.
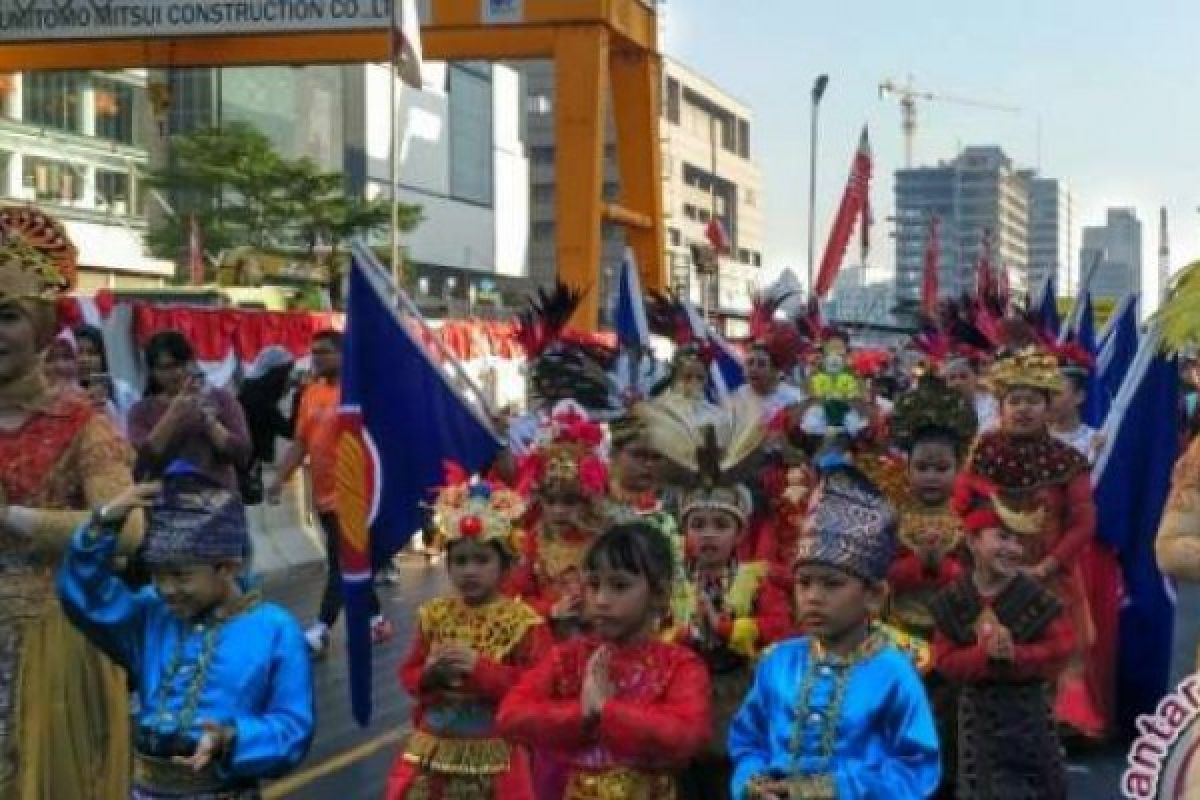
(469, 648)
(623, 708)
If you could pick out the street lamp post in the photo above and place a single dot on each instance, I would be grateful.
(818, 91)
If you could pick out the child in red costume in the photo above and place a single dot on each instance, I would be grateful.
(468, 650)
(1002, 639)
(568, 478)
(1049, 483)
(623, 708)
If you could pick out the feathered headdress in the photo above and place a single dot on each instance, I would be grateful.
(710, 458)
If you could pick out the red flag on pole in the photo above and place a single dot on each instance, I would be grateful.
(717, 237)
(195, 252)
(929, 277)
(406, 43)
(854, 208)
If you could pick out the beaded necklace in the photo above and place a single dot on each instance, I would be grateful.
(200, 676)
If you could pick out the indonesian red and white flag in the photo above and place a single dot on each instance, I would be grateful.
(929, 276)
(854, 208)
(717, 236)
(406, 42)
(195, 253)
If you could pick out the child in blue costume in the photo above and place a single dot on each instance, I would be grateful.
(840, 712)
(224, 678)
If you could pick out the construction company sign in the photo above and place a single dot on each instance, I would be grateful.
(42, 20)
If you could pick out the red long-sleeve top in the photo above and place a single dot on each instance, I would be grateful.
(1042, 658)
(506, 635)
(658, 716)
(909, 573)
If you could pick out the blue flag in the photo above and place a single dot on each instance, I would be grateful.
(629, 315)
(1131, 480)
(1117, 350)
(1094, 406)
(1047, 310)
(400, 420)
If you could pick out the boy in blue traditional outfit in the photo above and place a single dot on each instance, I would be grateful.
(224, 678)
(840, 712)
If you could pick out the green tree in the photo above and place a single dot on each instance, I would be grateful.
(242, 192)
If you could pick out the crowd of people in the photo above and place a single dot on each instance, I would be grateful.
(829, 583)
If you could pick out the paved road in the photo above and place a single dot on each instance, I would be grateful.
(349, 763)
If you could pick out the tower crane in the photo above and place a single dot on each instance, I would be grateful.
(909, 95)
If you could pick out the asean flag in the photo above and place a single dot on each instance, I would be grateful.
(400, 420)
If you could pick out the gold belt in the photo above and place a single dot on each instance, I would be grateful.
(482, 756)
(620, 783)
(162, 775)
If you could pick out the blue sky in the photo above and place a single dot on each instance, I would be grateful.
(1114, 85)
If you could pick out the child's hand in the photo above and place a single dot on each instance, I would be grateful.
(139, 495)
(597, 689)
(459, 658)
(769, 789)
(212, 746)
(999, 645)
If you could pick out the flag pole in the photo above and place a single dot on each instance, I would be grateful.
(394, 152)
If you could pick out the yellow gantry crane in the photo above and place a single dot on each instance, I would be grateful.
(909, 95)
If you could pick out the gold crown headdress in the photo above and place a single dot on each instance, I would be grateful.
(37, 259)
(1029, 368)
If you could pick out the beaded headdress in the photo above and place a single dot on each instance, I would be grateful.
(479, 510)
(850, 526)
(37, 260)
(932, 405)
(195, 520)
(1030, 368)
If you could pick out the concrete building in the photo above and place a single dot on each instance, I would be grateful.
(977, 192)
(462, 159)
(73, 143)
(1116, 250)
(696, 115)
(1051, 231)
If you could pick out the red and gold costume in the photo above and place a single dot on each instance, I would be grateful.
(656, 720)
(454, 751)
(1049, 483)
(64, 718)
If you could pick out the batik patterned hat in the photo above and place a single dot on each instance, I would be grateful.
(195, 521)
(850, 526)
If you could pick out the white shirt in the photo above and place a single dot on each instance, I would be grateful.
(769, 405)
(1085, 440)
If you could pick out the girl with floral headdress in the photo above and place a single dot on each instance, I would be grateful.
(1045, 486)
(63, 705)
(730, 607)
(566, 475)
(469, 648)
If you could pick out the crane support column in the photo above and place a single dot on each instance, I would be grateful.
(581, 81)
(636, 86)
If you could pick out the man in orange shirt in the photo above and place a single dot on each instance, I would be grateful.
(316, 440)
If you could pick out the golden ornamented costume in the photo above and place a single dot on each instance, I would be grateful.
(64, 720)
